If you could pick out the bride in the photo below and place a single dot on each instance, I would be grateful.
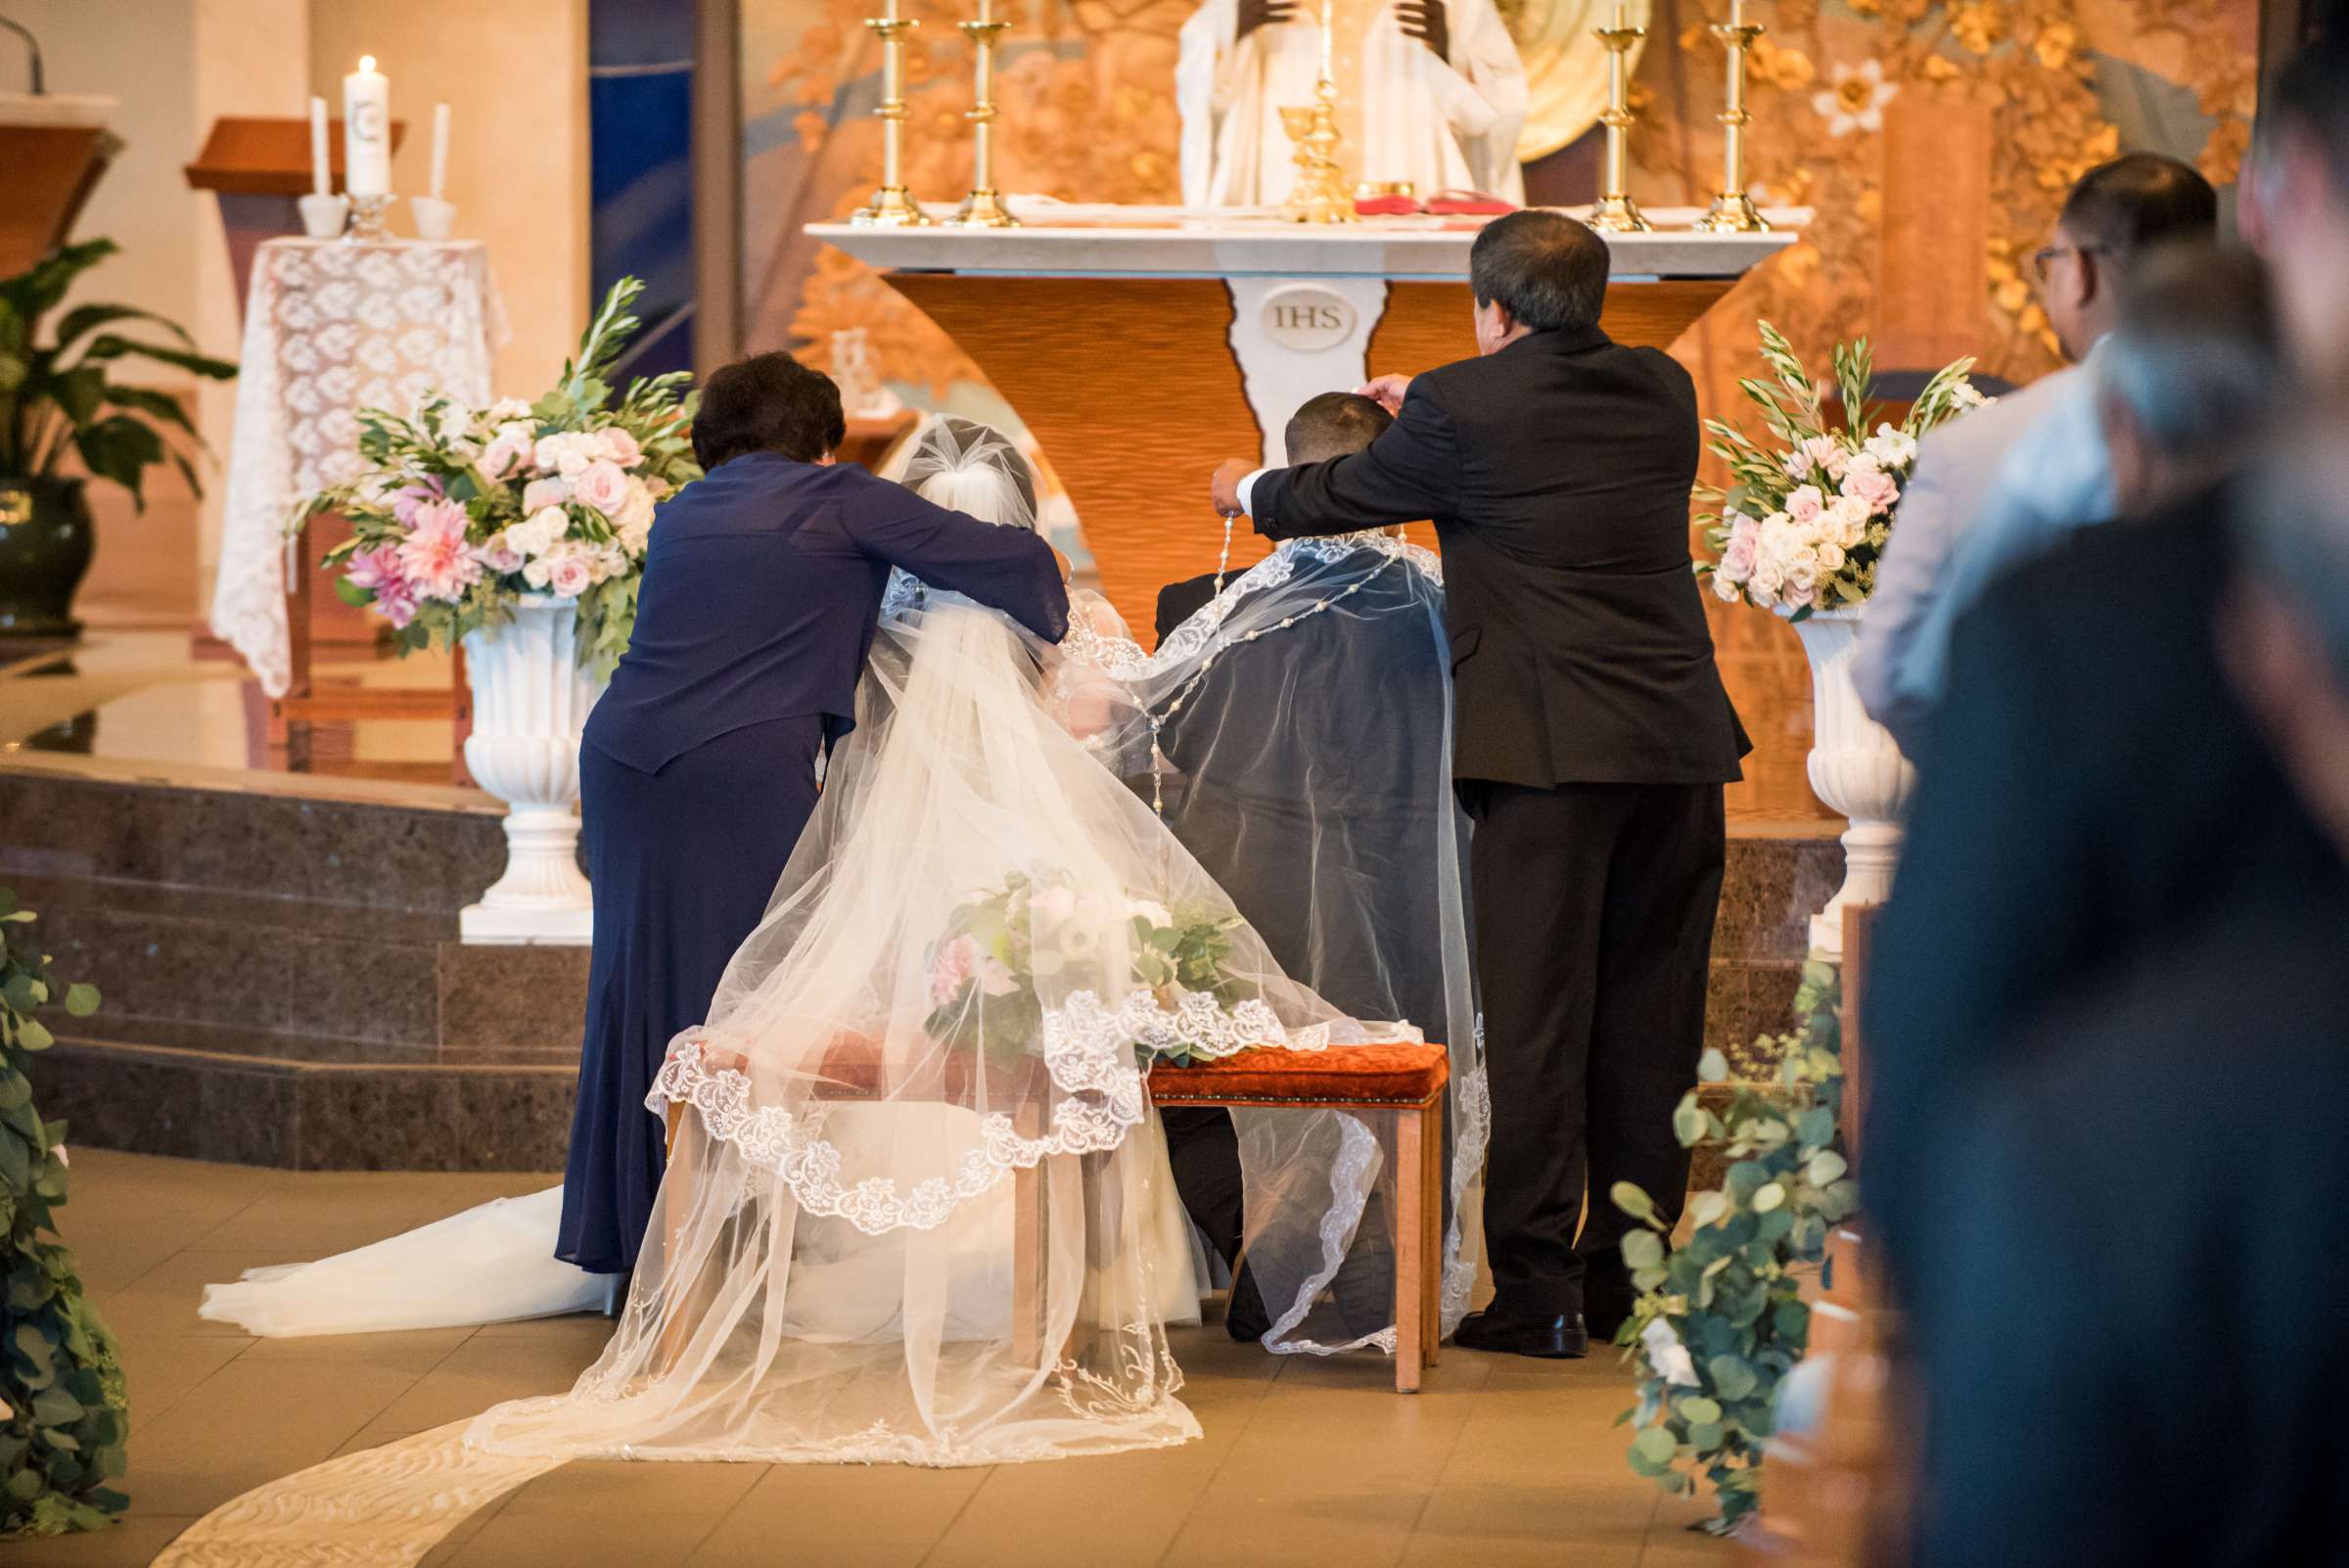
(917, 1207)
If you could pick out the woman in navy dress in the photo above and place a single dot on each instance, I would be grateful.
(761, 589)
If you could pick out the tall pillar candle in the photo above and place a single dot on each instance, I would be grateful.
(366, 133)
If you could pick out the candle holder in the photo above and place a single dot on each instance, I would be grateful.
(892, 207)
(367, 225)
(1319, 193)
(1616, 211)
(983, 208)
(1732, 209)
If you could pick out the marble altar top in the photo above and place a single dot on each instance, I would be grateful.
(1064, 240)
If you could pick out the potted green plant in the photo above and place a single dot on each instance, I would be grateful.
(55, 399)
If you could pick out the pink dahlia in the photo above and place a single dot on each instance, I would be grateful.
(436, 556)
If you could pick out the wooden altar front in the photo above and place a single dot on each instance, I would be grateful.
(1140, 355)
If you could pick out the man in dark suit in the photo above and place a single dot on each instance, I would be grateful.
(1592, 741)
(2142, 1243)
(2091, 791)
(762, 590)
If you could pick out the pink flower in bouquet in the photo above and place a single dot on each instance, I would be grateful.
(436, 556)
(409, 497)
(510, 450)
(542, 493)
(567, 570)
(1737, 556)
(1805, 504)
(995, 975)
(396, 601)
(1871, 485)
(602, 484)
(498, 555)
(373, 569)
(1827, 455)
(1797, 464)
(950, 969)
(620, 446)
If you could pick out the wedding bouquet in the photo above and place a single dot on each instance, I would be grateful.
(985, 967)
(1802, 522)
(461, 512)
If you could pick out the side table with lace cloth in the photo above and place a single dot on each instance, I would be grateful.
(333, 327)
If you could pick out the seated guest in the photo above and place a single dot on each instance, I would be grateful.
(2010, 478)
(2134, 1353)
(1306, 751)
(2091, 789)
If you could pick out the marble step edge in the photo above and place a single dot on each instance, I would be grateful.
(293, 913)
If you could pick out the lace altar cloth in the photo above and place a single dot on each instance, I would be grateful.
(333, 327)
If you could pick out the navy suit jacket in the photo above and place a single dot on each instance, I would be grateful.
(762, 590)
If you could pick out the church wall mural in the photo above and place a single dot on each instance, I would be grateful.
(1932, 142)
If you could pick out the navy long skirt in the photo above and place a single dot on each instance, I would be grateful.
(684, 862)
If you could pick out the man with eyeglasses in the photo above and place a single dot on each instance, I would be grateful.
(2008, 481)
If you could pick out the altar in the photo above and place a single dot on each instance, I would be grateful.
(1143, 345)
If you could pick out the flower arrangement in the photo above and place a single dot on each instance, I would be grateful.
(461, 512)
(64, 1413)
(1801, 524)
(985, 967)
(1721, 1318)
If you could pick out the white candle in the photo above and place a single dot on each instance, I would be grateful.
(366, 133)
(439, 149)
(321, 181)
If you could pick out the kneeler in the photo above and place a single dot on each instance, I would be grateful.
(1406, 1079)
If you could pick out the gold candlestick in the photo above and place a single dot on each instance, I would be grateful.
(983, 208)
(892, 206)
(1616, 211)
(1732, 209)
(1320, 193)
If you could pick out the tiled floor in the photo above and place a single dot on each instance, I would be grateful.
(1498, 1462)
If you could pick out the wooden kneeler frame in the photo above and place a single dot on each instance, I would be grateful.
(1406, 1080)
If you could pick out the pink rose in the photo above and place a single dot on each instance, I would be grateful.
(436, 556)
(542, 493)
(1874, 486)
(1805, 504)
(619, 445)
(571, 575)
(1737, 559)
(1826, 454)
(604, 485)
(950, 969)
(499, 556)
(510, 450)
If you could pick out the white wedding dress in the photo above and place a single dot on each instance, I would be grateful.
(918, 1208)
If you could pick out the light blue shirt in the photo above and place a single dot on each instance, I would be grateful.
(1989, 491)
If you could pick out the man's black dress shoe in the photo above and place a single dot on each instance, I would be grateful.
(1557, 1339)
(1244, 1314)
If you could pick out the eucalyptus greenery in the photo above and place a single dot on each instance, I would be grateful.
(57, 399)
(1721, 1318)
(63, 1416)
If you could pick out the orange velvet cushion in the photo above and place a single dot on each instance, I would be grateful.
(1343, 1075)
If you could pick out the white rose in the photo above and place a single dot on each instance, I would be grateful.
(539, 533)
(1054, 904)
(1724, 589)
(1831, 556)
(1150, 910)
(506, 408)
(611, 561)
(602, 484)
(1850, 515)
(566, 452)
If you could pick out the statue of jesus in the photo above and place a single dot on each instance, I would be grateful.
(1430, 92)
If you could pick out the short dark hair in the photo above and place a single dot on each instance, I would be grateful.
(768, 404)
(2312, 93)
(2194, 354)
(1333, 425)
(1546, 270)
(2138, 200)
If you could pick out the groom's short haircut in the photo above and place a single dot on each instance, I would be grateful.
(1333, 425)
(1550, 271)
(768, 404)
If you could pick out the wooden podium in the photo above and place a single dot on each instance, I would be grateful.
(55, 148)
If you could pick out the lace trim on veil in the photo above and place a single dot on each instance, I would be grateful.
(1089, 1049)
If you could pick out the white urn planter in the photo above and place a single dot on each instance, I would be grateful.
(530, 701)
(1856, 769)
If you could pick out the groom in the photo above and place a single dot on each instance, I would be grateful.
(1591, 742)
